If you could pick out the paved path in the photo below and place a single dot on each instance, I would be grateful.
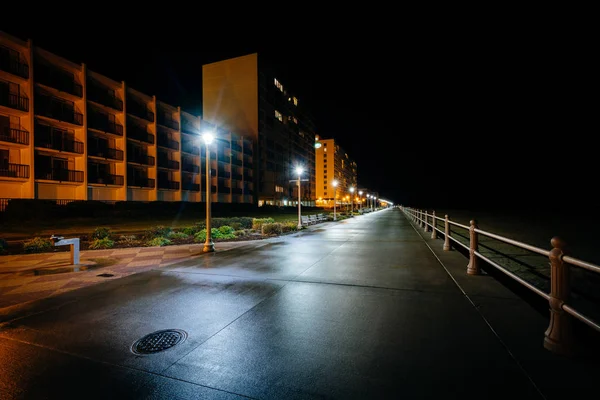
(363, 308)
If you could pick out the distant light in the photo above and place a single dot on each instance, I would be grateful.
(317, 145)
(352, 189)
(208, 137)
(334, 183)
(299, 170)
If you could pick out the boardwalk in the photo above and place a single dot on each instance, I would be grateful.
(362, 308)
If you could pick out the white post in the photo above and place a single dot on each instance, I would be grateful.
(334, 200)
(299, 212)
(208, 244)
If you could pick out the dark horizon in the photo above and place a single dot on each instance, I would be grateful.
(477, 123)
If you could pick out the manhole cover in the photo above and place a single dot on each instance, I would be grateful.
(158, 341)
(105, 275)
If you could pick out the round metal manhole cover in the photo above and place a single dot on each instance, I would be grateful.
(158, 341)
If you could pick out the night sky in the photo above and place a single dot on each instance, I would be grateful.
(457, 118)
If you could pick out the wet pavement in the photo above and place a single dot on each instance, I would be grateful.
(362, 308)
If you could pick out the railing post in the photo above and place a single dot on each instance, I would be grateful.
(558, 336)
(446, 234)
(473, 266)
(425, 226)
(421, 218)
(433, 231)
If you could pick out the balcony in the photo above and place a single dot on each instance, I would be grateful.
(139, 110)
(164, 141)
(10, 62)
(236, 147)
(140, 181)
(248, 165)
(237, 176)
(54, 139)
(100, 122)
(56, 108)
(224, 159)
(102, 96)
(168, 122)
(189, 148)
(60, 175)
(14, 135)
(224, 174)
(169, 164)
(224, 189)
(15, 101)
(15, 171)
(235, 161)
(188, 126)
(143, 159)
(106, 179)
(195, 187)
(58, 79)
(248, 178)
(167, 184)
(105, 152)
(247, 149)
(236, 191)
(140, 133)
(190, 168)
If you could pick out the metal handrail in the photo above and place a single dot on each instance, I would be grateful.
(559, 276)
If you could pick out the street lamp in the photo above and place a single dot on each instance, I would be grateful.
(352, 200)
(334, 184)
(360, 199)
(208, 137)
(299, 171)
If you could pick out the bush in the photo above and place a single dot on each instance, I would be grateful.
(289, 226)
(189, 230)
(128, 239)
(215, 233)
(226, 230)
(101, 232)
(3, 246)
(271, 228)
(178, 235)
(38, 245)
(257, 223)
(104, 243)
(159, 241)
(157, 232)
(236, 226)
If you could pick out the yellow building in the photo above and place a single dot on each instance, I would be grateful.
(245, 95)
(67, 133)
(333, 164)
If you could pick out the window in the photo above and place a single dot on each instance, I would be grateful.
(325, 171)
(295, 120)
(279, 189)
(325, 187)
(295, 101)
(278, 85)
(279, 116)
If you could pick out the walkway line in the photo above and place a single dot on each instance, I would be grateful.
(480, 314)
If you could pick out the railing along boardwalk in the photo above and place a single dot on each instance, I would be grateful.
(558, 337)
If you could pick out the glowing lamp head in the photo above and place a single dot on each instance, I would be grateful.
(334, 183)
(351, 189)
(208, 137)
(299, 170)
(360, 192)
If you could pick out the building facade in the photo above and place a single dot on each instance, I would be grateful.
(245, 95)
(67, 133)
(334, 164)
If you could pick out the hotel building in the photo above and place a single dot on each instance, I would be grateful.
(333, 163)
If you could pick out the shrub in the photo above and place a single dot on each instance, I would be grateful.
(156, 232)
(271, 228)
(3, 246)
(226, 230)
(38, 245)
(257, 223)
(241, 232)
(200, 236)
(128, 239)
(289, 226)
(178, 235)
(104, 243)
(102, 232)
(159, 241)
(215, 233)
(236, 226)
(189, 230)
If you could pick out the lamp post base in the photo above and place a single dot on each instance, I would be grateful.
(209, 246)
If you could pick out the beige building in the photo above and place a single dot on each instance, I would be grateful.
(334, 164)
(67, 133)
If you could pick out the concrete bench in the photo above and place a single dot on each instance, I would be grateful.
(321, 217)
(304, 219)
(313, 219)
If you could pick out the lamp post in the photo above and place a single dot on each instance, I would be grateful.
(360, 200)
(208, 244)
(352, 200)
(334, 184)
(299, 172)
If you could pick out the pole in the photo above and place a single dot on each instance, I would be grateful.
(299, 212)
(208, 244)
(334, 199)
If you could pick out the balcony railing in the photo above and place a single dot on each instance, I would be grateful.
(189, 148)
(15, 101)
(224, 174)
(247, 149)
(105, 152)
(101, 123)
(15, 171)
(235, 161)
(170, 164)
(187, 126)
(14, 135)
(139, 110)
(56, 108)
(169, 123)
(167, 184)
(236, 191)
(106, 179)
(237, 176)
(58, 79)
(61, 175)
(102, 96)
(166, 142)
(224, 159)
(140, 159)
(11, 63)
(190, 186)
(54, 140)
(224, 189)
(236, 147)
(190, 168)
(139, 133)
(248, 178)
(139, 181)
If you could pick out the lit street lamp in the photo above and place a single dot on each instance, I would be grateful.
(360, 199)
(208, 244)
(299, 172)
(334, 184)
(352, 200)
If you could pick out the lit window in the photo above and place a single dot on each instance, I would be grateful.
(295, 120)
(278, 85)
(279, 116)
(295, 101)
(279, 189)
(325, 149)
